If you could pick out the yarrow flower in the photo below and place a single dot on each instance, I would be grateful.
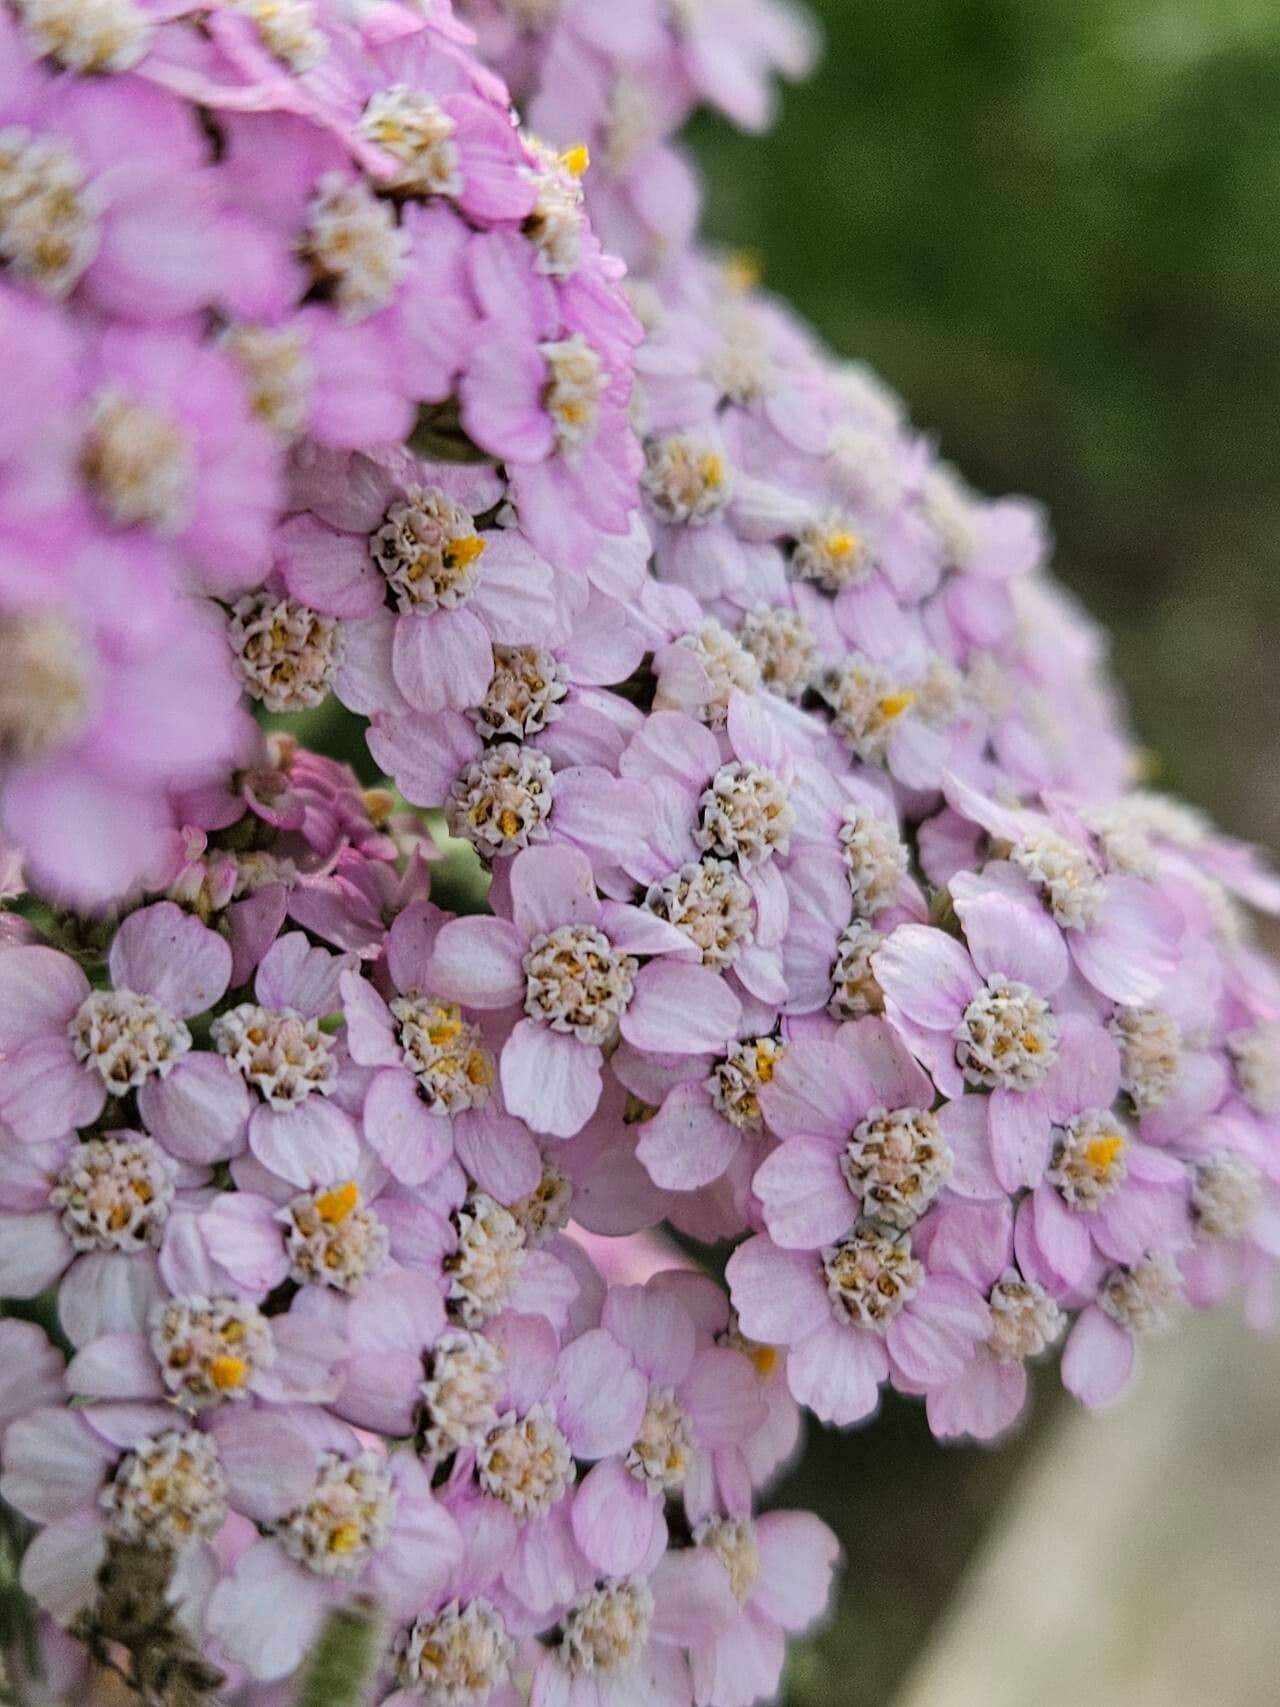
(790, 885)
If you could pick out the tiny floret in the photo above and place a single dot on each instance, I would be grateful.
(417, 132)
(733, 1541)
(875, 857)
(445, 1052)
(1088, 1162)
(209, 1349)
(524, 693)
(1025, 1320)
(346, 1518)
(488, 1258)
(895, 1163)
(735, 1082)
(127, 1038)
(115, 1194)
(333, 1239)
(502, 801)
(1008, 1037)
(526, 1462)
(284, 1056)
(285, 653)
(871, 1277)
(711, 903)
(1226, 1195)
(1150, 1043)
(606, 1631)
(686, 480)
(745, 815)
(457, 1657)
(1142, 1299)
(660, 1454)
(168, 1492)
(576, 981)
(459, 1393)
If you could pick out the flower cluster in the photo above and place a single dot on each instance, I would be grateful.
(824, 914)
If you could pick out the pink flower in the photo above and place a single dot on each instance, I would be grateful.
(69, 1047)
(779, 1570)
(997, 1017)
(1099, 1357)
(853, 1313)
(574, 963)
(701, 1398)
(339, 1518)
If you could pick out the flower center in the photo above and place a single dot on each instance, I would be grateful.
(875, 857)
(283, 1055)
(168, 1492)
(347, 1517)
(576, 381)
(711, 904)
(864, 470)
(139, 462)
(44, 692)
(488, 1257)
(87, 35)
(1088, 1163)
(1142, 1299)
(429, 550)
(417, 132)
(333, 1239)
(288, 30)
(554, 226)
(445, 1052)
(1071, 882)
(783, 645)
(659, 1455)
(865, 703)
(896, 1162)
(949, 511)
(1226, 1194)
(1008, 1036)
(209, 1349)
(606, 1630)
(855, 989)
(871, 1278)
(544, 1212)
(728, 667)
(735, 1082)
(733, 1541)
(742, 368)
(460, 1393)
(278, 375)
(502, 801)
(686, 480)
(49, 227)
(1256, 1056)
(524, 695)
(458, 1657)
(577, 981)
(114, 1194)
(355, 245)
(1150, 1043)
(1025, 1320)
(285, 653)
(832, 553)
(126, 1038)
(745, 814)
(526, 1462)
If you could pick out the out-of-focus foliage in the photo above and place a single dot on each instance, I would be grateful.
(1054, 228)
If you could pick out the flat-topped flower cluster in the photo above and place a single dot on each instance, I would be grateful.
(824, 914)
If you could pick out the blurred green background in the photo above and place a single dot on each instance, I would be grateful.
(1052, 225)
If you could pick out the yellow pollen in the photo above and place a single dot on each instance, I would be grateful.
(765, 1063)
(508, 821)
(228, 1372)
(742, 270)
(379, 803)
(894, 704)
(1031, 1043)
(711, 468)
(446, 1023)
(337, 1204)
(765, 1360)
(462, 552)
(575, 160)
(345, 1538)
(841, 545)
(479, 1072)
(1101, 1152)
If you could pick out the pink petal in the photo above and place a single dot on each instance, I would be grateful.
(687, 1144)
(655, 1328)
(108, 1292)
(981, 1403)
(1010, 937)
(550, 887)
(311, 1144)
(931, 1341)
(836, 1373)
(441, 659)
(479, 962)
(599, 1395)
(40, 991)
(270, 1467)
(163, 952)
(34, 1250)
(296, 975)
(798, 1555)
(266, 1615)
(331, 571)
(1020, 1131)
(679, 1009)
(1133, 948)
(1098, 1359)
(722, 1397)
(927, 975)
(614, 1518)
(370, 1032)
(779, 1295)
(804, 1198)
(1062, 1238)
(401, 1130)
(549, 1079)
(44, 1091)
(200, 1111)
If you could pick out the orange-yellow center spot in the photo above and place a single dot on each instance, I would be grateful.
(842, 544)
(462, 552)
(1031, 1043)
(711, 468)
(337, 1204)
(1100, 1153)
(575, 160)
(742, 270)
(894, 704)
(765, 1359)
(345, 1538)
(227, 1373)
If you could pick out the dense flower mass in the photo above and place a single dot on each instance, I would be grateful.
(824, 914)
